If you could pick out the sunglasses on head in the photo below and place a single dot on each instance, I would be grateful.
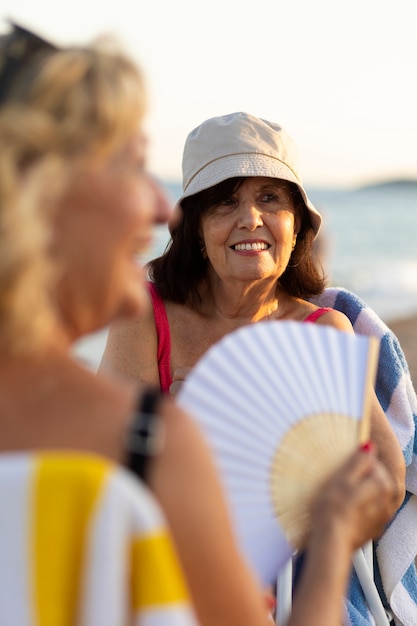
(17, 50)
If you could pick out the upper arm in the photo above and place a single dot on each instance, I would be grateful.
(389, 449)
(131, 350)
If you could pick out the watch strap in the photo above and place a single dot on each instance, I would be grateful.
(144, 435)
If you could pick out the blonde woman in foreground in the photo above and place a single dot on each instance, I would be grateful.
(80, 112)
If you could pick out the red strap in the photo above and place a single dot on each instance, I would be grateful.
(164, 338)
(314, 316)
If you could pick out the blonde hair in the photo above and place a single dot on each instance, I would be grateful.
(29, 175)
(87, 102)
(96, 95)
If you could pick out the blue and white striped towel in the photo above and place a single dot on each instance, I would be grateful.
(396, 550)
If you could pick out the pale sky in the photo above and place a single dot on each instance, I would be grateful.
(340, 77)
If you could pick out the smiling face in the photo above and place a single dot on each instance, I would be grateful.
(250, 235)
(104, 222)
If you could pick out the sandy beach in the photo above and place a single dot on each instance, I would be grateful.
(406, 332)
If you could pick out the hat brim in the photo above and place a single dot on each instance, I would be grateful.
(247, 165)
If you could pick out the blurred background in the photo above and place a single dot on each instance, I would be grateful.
(339, 78)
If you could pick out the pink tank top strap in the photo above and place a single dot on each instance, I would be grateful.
(314, 316)
(164, 338)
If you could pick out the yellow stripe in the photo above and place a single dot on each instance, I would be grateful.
(156, 575)
(66, 489)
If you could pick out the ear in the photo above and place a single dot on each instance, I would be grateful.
(294, 241)
(297, 222)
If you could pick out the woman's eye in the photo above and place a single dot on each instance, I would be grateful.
(279, 198)
(269, 197)
(225, 206)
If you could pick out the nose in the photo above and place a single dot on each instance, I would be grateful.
(162, 205)
(249, 216)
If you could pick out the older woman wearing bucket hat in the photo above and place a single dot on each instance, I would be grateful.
(243, 251)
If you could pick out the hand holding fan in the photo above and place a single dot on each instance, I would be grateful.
(282, 405)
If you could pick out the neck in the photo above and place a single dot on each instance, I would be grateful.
(242, 303)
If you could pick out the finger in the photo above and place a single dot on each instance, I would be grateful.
(357, 466)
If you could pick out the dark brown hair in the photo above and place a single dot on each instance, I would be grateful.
(180, 270)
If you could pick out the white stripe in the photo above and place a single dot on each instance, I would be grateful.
(400, 414)
(144, 509)
(178, 615)
(403, 607)
(125, 508)
(397, 540)
(411, 480)
(368, 323)
(16, 517)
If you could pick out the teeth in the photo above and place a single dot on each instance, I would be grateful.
(251, 246)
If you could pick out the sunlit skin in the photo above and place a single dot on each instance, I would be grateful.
(260, 214)
(118, 201)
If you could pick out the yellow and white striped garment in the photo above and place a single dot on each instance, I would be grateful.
(83, 543)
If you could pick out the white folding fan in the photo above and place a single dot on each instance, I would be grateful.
(282, 405)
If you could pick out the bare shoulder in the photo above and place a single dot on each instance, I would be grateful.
(337, 319)
(94, 412)
(131, 349)
(300, 309)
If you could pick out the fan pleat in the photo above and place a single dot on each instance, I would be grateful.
(281, 405)
(259, 537)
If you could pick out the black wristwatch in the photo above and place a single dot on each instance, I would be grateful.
(145, 435)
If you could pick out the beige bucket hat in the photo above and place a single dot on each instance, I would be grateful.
(239, 144)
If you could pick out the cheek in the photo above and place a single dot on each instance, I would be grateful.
(283, 228)
(214, 232)
(210, 243)
(144, 202)
(133, 208)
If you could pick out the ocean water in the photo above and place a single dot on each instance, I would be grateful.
(371, 235)
(369, 241)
